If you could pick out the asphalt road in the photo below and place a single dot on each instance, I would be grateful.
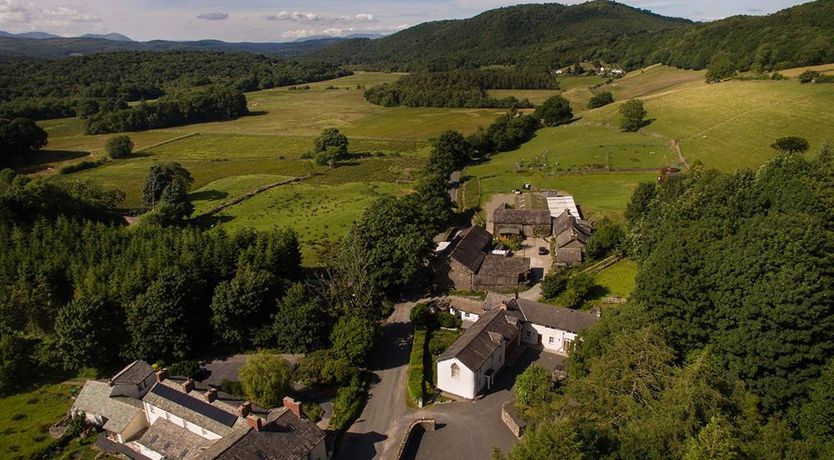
(378, 430)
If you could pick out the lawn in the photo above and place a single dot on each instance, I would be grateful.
(319, 213)
(618, 279)
(24, 426)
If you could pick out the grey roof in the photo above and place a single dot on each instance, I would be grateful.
(506, 215)
(466, 304)
(283, 437)
(552, 316)
(133, 373)
(478, 343)
(569, 255)
(471, 246)
(173, 441)
(568, 228)
(95, 399)
(495, 265)
(494, 299)
(219, 416)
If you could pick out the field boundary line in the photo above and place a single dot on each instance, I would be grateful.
(168, 141)
(250, 194)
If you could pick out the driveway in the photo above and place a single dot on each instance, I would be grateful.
(377, 432)
(472, 429)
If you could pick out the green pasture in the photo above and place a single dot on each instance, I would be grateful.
(217, 192)
(618, 279)
(319, 213)
(24, 426)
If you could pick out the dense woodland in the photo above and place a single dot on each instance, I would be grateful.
(556, 35)
(41, 88)
(726, 349)
(459, 88)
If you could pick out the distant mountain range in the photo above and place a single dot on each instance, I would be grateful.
(42, 44)
(550, 35)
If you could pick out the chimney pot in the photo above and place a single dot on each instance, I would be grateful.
(293, 405)
(245, 409)
(187, 386)
(256, 423)
(161, 374)
(211, 395)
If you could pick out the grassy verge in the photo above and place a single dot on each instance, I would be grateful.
(24, 426)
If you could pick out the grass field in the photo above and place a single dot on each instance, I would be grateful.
(24, 426)
(618, 279)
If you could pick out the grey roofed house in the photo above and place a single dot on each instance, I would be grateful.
(118, 412)
(173, 441)
(494, 300)
(495, 265)
(134, 373)
(506, 215)
(220, 416)
(479, 342)
(470, 249)
(283, 436)
(543, 314)
(566, 227)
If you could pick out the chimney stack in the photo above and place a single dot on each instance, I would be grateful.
(293, 405)
(244, 409)
(211, 395)
(161, 374)
(187, 386)
(256, 423)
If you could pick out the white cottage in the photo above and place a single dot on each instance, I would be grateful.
(553, 328)
(471, 363)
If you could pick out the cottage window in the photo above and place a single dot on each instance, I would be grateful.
(455, 371)
(466, 314)
(551, 340)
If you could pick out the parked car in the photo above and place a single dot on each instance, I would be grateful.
(502, 252)
(543, 251)
(517, 191)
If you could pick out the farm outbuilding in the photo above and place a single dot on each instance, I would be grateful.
(527, 222)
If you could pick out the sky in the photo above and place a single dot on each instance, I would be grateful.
(289, 20)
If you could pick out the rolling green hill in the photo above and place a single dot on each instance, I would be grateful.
(551, 34)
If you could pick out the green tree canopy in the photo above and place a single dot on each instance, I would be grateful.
(720, 68)
(554, 111)
(632, 115)
(88, 331)
(266, 379)
(790, 144)
(19, 136)
(599, 100)
(160, 177)
(331, 137)
(241, 306)
(300, 322)
(119, 147)
(353, 338)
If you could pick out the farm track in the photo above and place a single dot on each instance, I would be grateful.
(250, 194)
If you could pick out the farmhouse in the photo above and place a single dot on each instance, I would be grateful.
(473, 267)
(165, 418)
(471, 363)
(526, 222)
(570, 236)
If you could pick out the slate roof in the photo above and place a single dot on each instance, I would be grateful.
(521, 216)
(470, 249)
(133, 373)
(551, 316)
(219, 417)
(283, 437)
(495, 265)
(494, 299)
(568, 228)
(94, 398)
(478, 343)
(174, 441)
(466, 304)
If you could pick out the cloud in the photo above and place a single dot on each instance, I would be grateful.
(359, 19)
(214, 16)
(341, 31)
(294, 17)
(13, 12)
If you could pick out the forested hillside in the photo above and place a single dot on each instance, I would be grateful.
(725, 350)
(40, 88)
(558, 35)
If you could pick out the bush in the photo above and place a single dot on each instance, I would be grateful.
(348, 403)
(448, 320)
(81, 166)
(189, 368)
(421, 316)
(313, 411)
(231, 387)
(578, 288)
(416, 373)
(601, 99)
(553, 284)
(609, 237)
(322, 367)
(119, 147)
(554, 111)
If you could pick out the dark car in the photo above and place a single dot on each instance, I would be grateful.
(543, 251)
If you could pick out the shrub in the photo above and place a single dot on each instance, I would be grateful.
(448, 320)
(313, 411)
(322, 367)
(601, 99)
(553, 284)
(348, 403)
(606, 239)
(578, 288)
(421, 316)
(119, 147)
(189, 368)
(81, 166)
(554, 111)
(265, 379)
(416, 372)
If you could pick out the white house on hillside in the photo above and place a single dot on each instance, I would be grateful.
(469, 366)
